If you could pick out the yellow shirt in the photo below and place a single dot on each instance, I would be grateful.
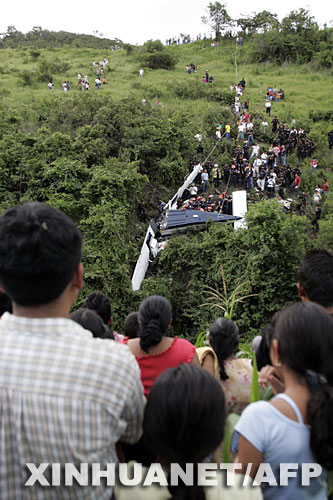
(202, 353)
(227, 129)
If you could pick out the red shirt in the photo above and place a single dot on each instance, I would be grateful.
(152, 365)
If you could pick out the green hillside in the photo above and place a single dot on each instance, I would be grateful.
(97, 154)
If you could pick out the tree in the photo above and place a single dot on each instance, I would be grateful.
(298, 21)
(217, 18)
(261, 22)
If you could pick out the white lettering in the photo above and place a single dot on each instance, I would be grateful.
(286, 472)
(177, 472)
(136, 472)
(265, 475)
(55, 474)
(206, 473)
(309, 471)
(37, 474)
(97, 474)
(155, 475)
(81, 476)
(230, 468)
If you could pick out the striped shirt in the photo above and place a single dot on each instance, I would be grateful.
(65, 397)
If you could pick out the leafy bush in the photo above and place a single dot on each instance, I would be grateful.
(152, 46)
(196, 89)
(26, 77)
(155, 56)
(325, 58)
(160, 60)
(34, 53)
(318, 116)
(128, 48)
(47, 68)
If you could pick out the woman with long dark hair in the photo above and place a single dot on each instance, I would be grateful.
(295, 427)
(219, 359)
(183, 424)
(154, 350)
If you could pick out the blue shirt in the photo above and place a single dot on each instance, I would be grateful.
(281, 440)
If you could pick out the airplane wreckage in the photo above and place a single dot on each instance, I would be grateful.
(173, 220)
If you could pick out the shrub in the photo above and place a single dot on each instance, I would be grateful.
(195, 89)
(128, 48)
(160, 60)
(152, 46)
(34, 53)
(26, 78)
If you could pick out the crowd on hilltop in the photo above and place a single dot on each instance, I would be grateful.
(74, 391)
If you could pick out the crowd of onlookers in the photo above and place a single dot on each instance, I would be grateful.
(83, 81)
(255, 168)
(74, 391)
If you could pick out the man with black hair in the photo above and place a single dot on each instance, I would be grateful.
(315, 284)
(5, 304)
(65, 397)
(315, 278)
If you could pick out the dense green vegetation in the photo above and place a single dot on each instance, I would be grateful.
(96, 154)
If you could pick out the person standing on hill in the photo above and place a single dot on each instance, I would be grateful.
(268, 106)
(317, 215)
(227, 131)
(275, 123)
(97, 83)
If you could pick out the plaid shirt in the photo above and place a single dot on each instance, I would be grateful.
(65, 397)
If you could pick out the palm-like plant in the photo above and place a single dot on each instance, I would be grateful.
(224, 301)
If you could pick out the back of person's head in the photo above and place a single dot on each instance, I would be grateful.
(40, 249)
(315, 276)
(304, 333)
(155, 316)
(89, 320)
(131, 325)
(5, 304)
(99, 302)
(184, 419)
(224, 339)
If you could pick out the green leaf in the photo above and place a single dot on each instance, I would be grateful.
(255, 387)
(231, 421)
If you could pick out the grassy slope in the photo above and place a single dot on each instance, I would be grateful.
(305, 89)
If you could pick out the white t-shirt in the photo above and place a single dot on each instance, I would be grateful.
(268, 104)
(281, 440)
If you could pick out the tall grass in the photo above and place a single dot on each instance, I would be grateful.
(306, 90)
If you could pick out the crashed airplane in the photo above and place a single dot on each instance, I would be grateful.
(173, 220)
